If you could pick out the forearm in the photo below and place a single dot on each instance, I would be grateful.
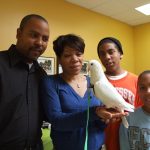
(71, 121)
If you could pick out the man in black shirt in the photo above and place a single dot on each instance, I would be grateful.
(20, 109)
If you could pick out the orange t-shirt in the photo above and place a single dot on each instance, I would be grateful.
(127, 86)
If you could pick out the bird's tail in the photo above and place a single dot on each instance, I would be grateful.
(125, 122)
(129, 107)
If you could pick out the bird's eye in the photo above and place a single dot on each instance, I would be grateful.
(91, 64)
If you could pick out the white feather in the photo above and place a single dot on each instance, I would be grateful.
(106, 92)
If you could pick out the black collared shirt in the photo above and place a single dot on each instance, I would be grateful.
(20, 108)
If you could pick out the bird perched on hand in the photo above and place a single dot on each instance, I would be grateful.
(106, 92)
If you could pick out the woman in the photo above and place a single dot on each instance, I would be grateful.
(66, 98)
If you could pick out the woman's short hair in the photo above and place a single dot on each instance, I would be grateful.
(68, 40)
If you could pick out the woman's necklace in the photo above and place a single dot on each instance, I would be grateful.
(78, 83)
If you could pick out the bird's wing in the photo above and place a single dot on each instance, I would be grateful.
(106, 94)
(110, 97)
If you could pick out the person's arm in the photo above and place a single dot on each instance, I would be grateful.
(109, 115)
(52, 107)
(124, 138)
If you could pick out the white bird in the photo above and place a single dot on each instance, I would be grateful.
(106, 92)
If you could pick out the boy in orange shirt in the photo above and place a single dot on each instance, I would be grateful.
(110, 53)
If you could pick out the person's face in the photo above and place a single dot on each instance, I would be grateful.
(144, 91)
(110, 57)
(71, 61)
(32, 40)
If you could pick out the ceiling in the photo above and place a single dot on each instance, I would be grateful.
(122, 10)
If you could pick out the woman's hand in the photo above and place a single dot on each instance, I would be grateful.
(109, 114)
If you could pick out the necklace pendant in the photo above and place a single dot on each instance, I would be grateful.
(78, 86)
